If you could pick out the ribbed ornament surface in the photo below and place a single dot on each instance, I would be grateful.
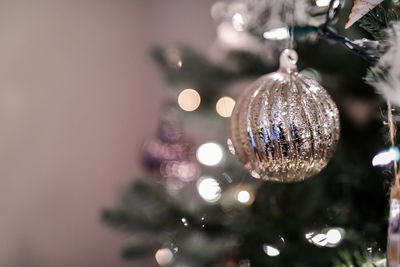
(285, 126)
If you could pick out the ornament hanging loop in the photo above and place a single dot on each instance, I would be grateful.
(292, 22)
(288, 60)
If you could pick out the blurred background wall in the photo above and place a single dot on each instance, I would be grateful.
(78, 95)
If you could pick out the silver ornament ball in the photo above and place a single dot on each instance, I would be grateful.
(285, 127)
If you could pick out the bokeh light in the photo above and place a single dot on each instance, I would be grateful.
(270, 250)
(385, 157)
(209, 189)
(320, 240)
(328, 237)
(322, 3)
(164, 256)
(334, 236)
(210, 154)
(225, 106)
(189, 100)
(277, 34)
(244, 196)
(238, 22)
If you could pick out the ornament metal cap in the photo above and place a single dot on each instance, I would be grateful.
(288, 60)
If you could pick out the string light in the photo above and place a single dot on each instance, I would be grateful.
(320, 240)
(225, 106)
(238, 22)
(209, 189)
(386, 157)
(210, 154)
(322, 3)
(244, 196)
(277, 34)
(329, 237)
(164, 256)
(270, 250)
(189, 100)
(333, 236)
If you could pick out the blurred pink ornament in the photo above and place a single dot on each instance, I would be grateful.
(170, 155)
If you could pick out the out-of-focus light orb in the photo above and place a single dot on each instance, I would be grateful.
(164, 256)
(189, 100)
(210, 154)
(238, 22)
(209, 189)
(322, 3)
(185, 222)
(243, 196)
(320, 240)
(225, 106)
(277, 34)
(333, 236)
(270, 250)
(385, 157)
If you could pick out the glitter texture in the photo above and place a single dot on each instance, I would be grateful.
(285, 126)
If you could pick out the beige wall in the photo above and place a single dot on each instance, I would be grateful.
(78, 94)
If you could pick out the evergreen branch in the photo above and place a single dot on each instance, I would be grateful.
(378, 20)
(136, 251)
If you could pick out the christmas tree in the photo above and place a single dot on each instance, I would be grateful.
(199, 206)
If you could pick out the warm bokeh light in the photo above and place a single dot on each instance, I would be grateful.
(210, 154)
(277, 34)
(209, 189)
(225, 106)
(271, 251)
(164, 256)
(238, 22)
(328, 237)
(385, 157)
(189, 100)
(334, 236)
(320, 240)
(243, 196)
(322, 3)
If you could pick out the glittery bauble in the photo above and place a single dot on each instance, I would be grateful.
(285, 126)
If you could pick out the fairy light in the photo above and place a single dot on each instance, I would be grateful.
(333, 236)
(238, 22)
(277, 34)
(243, 196)
(386, 157)
(209, 189)
(322, 3)
(164, 256)
(189, 100)
(210, 154)
(271, 251)
(328, 237)
(225, 106)
(320, 240)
